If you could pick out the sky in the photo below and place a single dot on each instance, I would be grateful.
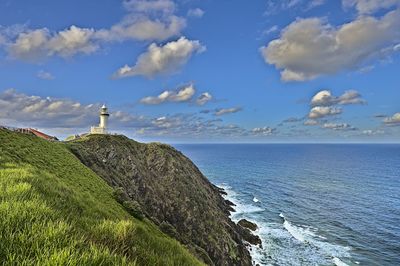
(191, 71)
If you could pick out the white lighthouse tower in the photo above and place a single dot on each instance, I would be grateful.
(103, 126)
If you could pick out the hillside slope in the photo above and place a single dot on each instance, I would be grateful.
(56, 211)
(172, 192)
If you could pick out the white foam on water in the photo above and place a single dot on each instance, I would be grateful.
(304, 234)
(338, 262)
(285, 243)
(241, 207)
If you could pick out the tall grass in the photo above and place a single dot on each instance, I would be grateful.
(56, 211)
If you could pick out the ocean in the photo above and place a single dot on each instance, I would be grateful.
(315, 204)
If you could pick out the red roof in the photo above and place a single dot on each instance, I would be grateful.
(41, 134)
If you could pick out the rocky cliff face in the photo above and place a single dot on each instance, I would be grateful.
(171, 191)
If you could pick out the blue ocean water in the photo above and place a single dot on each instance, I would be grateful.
(322, 204)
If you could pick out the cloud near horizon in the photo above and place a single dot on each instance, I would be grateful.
(393, 120)
(165, 59)
(323, 111)
(311, 47)
(183, 94)
(65, 115)
(325, 98)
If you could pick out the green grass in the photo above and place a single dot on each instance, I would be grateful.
(56, 211)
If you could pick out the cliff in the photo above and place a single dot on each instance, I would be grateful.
(171, 191)
(56, 211)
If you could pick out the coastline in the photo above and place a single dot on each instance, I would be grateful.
(238, 208)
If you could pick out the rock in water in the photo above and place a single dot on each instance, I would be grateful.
(172, 192)
(247, 224)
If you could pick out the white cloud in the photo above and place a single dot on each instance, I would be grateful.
(338, 126)
(146, 21)
(393, 120)
(165, 6)
(311, 122)
(72, 41)
(351, 97)
(45, 75)
(369, 6)
(143, 28)
(184, 94)
(204, 98)
(45, 112)
(196, 13)
(40, 43)
(315, 3)
(165, 59)
(372, 132)
(272, 29)
(323, 111)
(325, 98)
(263, 131)
(224, 111)
(309, 48)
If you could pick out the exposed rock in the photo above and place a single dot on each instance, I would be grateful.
(249, 237)
(247, 224)
(172, 192)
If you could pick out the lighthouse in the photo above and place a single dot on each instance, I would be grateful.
(103, 126)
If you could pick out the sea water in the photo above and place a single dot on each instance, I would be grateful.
(315, 204)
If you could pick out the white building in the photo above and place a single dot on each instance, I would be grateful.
(103, 126)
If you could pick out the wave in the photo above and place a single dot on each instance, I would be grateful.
(241, 207)
(302, 234)
(338, 262)
(284, 243)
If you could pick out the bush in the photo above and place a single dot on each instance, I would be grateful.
(168, 229)
(120, 195)
(133, 208)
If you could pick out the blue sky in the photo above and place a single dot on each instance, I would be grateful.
(204, 71)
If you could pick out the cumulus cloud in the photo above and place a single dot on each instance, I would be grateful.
(45, 112)
(40, 43)
(146, 21)
(263, 131)
(165, 59)
(45, 75)
(143, 28)
(338, 126)
(183, 94)
(224, 111)
(369, 6)
(196, 13)
(323, 111)
(393, 120)
(325, 98)
(309, 48)
(65, 115)
(204, 98)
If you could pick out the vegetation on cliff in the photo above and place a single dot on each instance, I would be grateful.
(56, 211)
(171, 191)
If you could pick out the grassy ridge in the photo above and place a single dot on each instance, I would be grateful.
(56, 211)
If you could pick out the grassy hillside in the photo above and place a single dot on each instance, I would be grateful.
(171, 190)
(56, 211)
